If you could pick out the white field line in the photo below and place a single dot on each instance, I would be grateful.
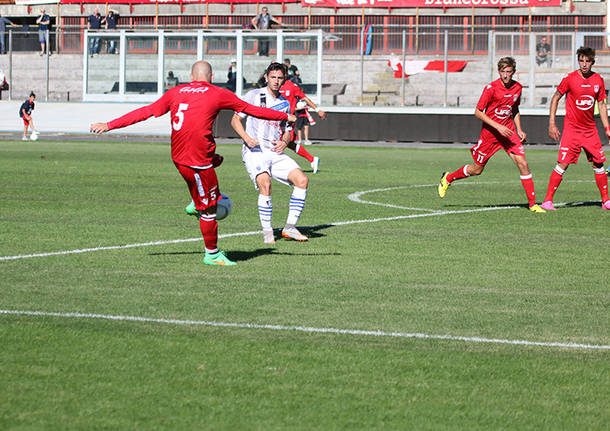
(308, 329)
(229, 235)
(354, 197)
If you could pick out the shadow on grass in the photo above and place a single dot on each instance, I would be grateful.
(240, 255)
(522, 205)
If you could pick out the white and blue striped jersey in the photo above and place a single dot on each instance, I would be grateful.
(265, 131)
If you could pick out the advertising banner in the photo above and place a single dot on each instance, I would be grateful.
(174, 1)
(430, 3)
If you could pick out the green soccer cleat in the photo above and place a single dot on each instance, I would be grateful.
(537, 209)
(443, 185)
(217, 258)
(191, 210)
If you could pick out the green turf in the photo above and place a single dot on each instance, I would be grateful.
(501, 274)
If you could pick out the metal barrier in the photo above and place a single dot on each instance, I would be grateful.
(349, 76)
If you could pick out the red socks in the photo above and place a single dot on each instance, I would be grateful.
(528, 185)
(602, 183)
(554, 181)
(303, 153)
(209, 230)
(458, 175)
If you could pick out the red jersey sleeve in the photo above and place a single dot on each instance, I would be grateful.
(563, 85)
(602, 90)
(485, 98)
(231, 101)
(517, 103)
(157, 109)
(298, 92)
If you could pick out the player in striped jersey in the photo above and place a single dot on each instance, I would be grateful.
(264, 158)
(194, 107)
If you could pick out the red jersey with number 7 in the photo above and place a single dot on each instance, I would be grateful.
(580, 100)
(194, 107)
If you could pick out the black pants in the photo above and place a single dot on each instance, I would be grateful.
(263, 47)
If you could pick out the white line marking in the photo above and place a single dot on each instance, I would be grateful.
(309, 329)
(229, 235)
(356, 197)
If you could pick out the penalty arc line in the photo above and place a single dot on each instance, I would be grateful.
(236, 234)
(308, 329)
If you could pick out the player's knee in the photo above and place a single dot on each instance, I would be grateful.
(299, 179)
(476, 170)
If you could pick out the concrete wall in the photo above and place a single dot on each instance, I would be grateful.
(439, 125)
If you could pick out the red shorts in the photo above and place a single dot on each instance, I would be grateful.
(573, 141)
(25, 122)
(489, 144)
(203, 185)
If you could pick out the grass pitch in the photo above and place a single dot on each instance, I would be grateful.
(476, 264)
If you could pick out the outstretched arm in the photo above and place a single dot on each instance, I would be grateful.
(231, 101)
(157, 109)
(313, 106)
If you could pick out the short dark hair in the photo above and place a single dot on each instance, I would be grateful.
(32, 94)
(276, 66)
(586, 51)
(286, 60)
(507, 62)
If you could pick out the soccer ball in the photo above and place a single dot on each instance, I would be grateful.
(34, 136)
(223, 207)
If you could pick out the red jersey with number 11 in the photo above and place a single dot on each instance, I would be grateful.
(500, 104)
(194, 107)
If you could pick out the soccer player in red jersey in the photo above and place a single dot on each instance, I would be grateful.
(194, 107)
(293, 94)
(498, 109)
(583, 88)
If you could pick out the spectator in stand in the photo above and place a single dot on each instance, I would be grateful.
(3, 83)
(3, 23)
(293, 72)
(171, 81)
(94, 22)
(44, 22)
(264, 21)
(232, 76)
(543, 52)
(111, 21)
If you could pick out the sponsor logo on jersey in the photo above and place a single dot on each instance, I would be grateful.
(585, 85)
(503, 112)
(585, 102)
(283, 105)
(194, 89)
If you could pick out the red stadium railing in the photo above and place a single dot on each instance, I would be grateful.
(424, 33)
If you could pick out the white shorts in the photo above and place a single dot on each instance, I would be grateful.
(278, 166)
